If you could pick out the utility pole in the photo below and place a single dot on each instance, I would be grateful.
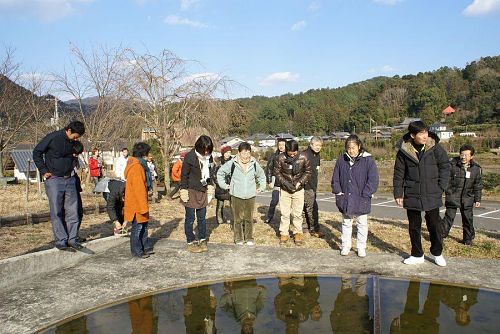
(56, 114)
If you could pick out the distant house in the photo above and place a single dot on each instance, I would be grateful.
(285, 136)
(441, 131)
(148, 133)
(21, 158)
(340, 135)
(448, 111)
(382, 135)
(231, 141)
(404, 124)
(264, 140)
(468, 134)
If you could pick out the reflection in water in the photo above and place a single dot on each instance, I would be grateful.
(414, 321)
(243, 300)
(293, 304)
(199, 310)
(143, 316)
(297, 299)
(350, 313)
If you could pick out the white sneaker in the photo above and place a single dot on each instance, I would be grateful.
(361, 252)
(345, 251)
(439, 260)
(250, 243)
(414, 260)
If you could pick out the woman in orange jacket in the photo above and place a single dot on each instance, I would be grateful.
(176, 174)
(136, 209)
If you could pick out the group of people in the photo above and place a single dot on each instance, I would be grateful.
(421, 175)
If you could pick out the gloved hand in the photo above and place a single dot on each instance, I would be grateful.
(210, 190)
(184, 195)
(288, 186)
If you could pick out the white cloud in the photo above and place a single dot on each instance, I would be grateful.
(299, 25)
(383, 69)
(314, 6)
(387, 2)
(176, 20)
(46, 10)
(482, 7)
(187, 4)
(280, 78)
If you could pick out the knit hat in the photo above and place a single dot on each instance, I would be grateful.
(224, 149)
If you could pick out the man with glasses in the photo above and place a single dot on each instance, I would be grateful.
(464, 192)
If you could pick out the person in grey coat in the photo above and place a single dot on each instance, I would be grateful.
(421, 174)
(464, 193)
(354, 181)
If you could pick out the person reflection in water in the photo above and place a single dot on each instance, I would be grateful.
(243, 300)
(350, 312)
(411, 320)
(297, 299)
(143, 316)
(460, 300)
(199, 310)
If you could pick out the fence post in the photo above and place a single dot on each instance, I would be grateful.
(28, 181)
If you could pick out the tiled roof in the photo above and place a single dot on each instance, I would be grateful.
(21, 158)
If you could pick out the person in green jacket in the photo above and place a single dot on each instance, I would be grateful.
(246, 178)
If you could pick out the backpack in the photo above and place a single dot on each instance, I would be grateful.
(223, 194)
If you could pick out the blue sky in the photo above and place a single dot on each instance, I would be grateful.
(271, 47)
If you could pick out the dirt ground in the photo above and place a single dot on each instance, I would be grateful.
(167, 217)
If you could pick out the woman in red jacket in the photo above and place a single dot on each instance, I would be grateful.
(95, 166)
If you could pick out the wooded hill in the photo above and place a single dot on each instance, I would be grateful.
(473, 91)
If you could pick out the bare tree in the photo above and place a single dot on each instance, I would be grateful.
(97, 75)
(169, 99)
(14, 115)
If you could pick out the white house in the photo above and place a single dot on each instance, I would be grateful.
(441, 131)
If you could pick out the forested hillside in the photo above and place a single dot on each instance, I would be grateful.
(473, 91)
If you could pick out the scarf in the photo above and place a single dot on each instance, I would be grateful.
(205, 165)
(292, 161)
(149, 180)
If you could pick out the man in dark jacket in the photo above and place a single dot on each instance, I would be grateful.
(114, 205)
(292, 170)
(464, 192)
(272, 181)
(421, 174)
(54, 158)
(310, 188)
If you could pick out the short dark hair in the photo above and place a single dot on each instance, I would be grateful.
(291, 146)
(77, 147)
(354, 139)
(140, 149)
(467, 147)
(76, 127)
(281, 140)
(244, 147)
(204, 144)
(125, 148)
(416, 127)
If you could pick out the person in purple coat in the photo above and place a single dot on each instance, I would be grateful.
(354, 181)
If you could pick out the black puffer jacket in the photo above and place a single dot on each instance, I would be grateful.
(291, 171)
(114, 204)
(461, 189)
(315, 160)
(270, 168)
(421, 183)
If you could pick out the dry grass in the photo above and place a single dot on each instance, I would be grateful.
(385, 235)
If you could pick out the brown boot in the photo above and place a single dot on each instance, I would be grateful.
(298, 239)
(194, 248)
(203, 245)
(284, 239)
(317, 234)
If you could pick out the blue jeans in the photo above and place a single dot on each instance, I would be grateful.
(139, 238)
(188, 224)
(63, 204)
(275, 198)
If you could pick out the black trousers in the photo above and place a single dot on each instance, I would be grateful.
(467, 222)
(311, 210)
(433, 222)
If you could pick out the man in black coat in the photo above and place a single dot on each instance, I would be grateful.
(464, 192)
(310, 188)
(54, 158)
(421, 174)
(275, 197)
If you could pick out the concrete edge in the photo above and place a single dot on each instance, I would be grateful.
(25, 266)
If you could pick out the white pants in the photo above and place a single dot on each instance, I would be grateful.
(347, 231)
